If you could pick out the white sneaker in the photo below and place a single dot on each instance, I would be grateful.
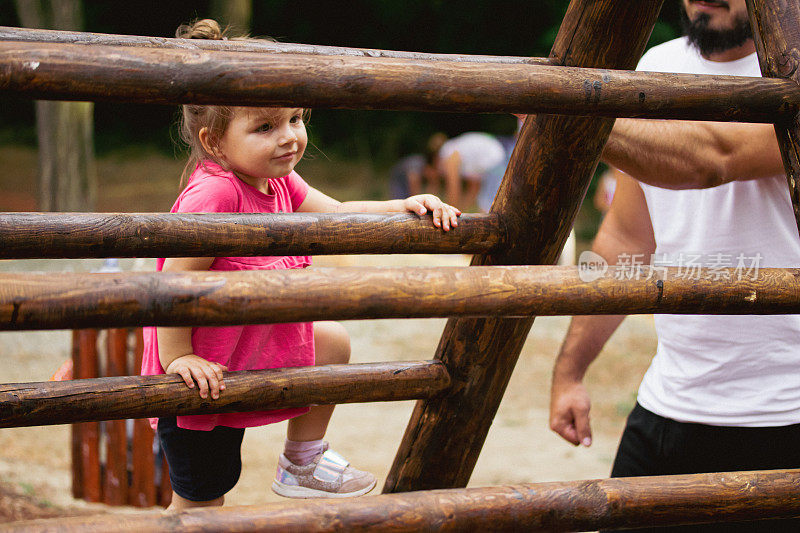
(329, 475)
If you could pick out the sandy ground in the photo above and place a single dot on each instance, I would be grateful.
(520, 448)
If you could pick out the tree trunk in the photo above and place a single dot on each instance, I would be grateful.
(67, 175)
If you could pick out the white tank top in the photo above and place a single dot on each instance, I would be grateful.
(723, 370)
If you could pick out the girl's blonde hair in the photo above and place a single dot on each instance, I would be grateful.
(215, 118)
(196, 117)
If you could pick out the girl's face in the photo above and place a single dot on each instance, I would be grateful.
(263, 143)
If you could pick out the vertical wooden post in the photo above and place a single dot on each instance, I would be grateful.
(76, 430)
(164, 487)
(86, 436)
(543, 187)
(143, 485)
(776, 31)
(115, 482)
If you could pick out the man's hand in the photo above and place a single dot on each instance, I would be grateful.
(569, 411)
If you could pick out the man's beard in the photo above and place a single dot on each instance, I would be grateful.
(709, 41)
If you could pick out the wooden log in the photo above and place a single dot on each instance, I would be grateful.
(543, 187)
(70, 300)
(76, 435)
(143, 485)
(164, 485)
(115, 478)
(554, 506)
(776, 31)
(170, 76)
(73, 235)
(75, 37)
(45, 403)
(86, 437)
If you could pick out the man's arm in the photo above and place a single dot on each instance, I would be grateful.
(626, 229)
(693, 155)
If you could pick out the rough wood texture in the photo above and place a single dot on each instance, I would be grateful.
(776, 30)
(76, 435)
(545, 182)
(169, 76)
(53, 235)
(555, 506)
(45, 403)
(70, 301)
(143, 487)
(74, 37)
(86, 437)
(115, 478)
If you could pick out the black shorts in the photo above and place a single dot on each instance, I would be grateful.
(203, 465)
(652, 445)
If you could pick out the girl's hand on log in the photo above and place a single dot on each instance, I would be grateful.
(193, 368)
(445, 216)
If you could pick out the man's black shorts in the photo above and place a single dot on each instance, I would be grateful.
(652, 445)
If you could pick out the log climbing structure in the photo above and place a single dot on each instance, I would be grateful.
(571, 97)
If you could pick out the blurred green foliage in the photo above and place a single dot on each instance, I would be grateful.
(500, 27)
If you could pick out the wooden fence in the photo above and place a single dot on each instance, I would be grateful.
(113, 462)
(585, 81)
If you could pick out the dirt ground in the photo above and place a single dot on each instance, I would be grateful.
(35, 462)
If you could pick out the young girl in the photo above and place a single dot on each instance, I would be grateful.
(243, 160)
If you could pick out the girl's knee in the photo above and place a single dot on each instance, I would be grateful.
(331, 343)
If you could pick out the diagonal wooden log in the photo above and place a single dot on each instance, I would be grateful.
(776, 31)
(546, 180)
(583, 505)
(8, 33)
(53, 235)
(116, 398)
(170, 76)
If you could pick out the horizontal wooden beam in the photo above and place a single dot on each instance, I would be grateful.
(73, 235)
(8, 33)
(171, 76)
(74, 301)
(87, 400)
(555, 506)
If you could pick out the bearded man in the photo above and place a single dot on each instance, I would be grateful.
(722, 393)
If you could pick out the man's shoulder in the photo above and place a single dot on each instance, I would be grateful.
(675, 45)
(662, 54)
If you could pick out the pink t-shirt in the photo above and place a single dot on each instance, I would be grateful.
(214, 190)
